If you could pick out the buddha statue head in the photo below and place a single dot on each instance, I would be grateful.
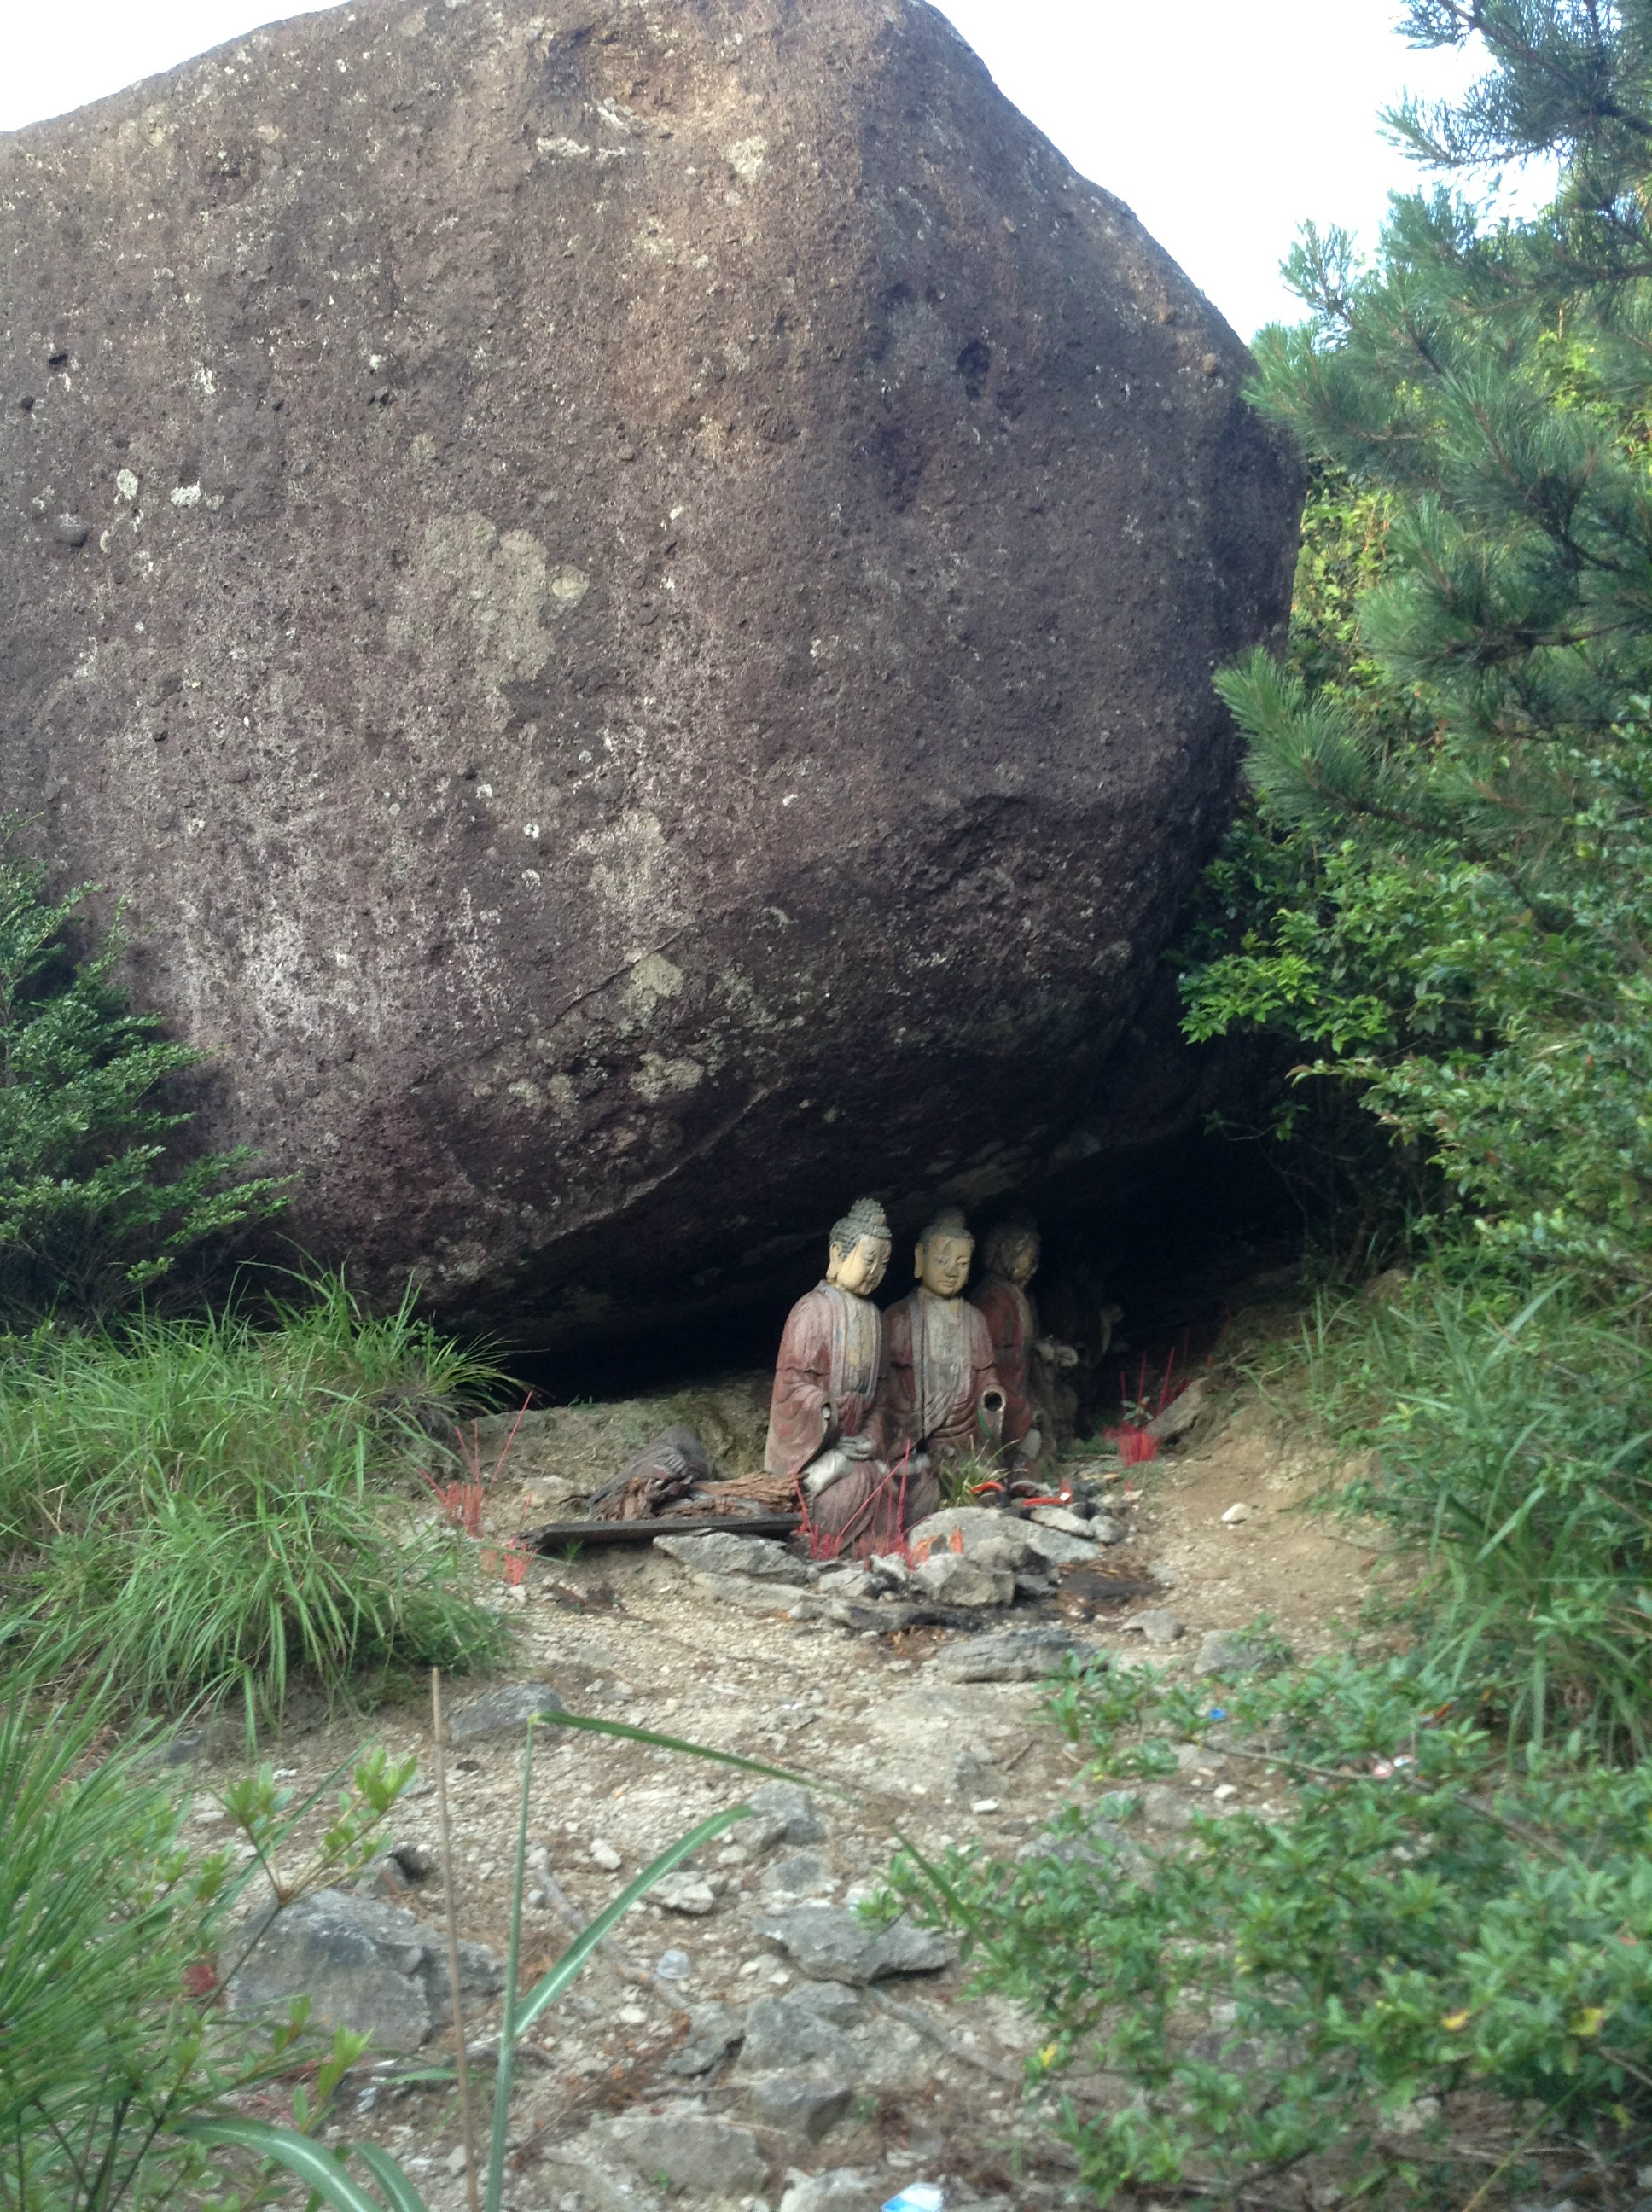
(1012, 1249)
(945, 1249)
(858, 1248)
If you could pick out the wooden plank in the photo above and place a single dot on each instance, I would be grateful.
(556, 1534)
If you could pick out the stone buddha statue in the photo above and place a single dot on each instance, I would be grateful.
(1028, 1364)
(944, 1394)
(826, 1417)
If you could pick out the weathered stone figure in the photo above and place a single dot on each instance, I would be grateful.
(943, 1396)
(1028, 1362)
(825, 1421)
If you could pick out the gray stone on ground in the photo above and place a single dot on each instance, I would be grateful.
(970, 1776)
(683, 1893)
(1164, 1807)
(691, 2150)
(846, 1582)
(832, 1943)
(786, 2035)
(1225, 1651)
(884, 1616)
(1062, 1517)
(1012, 1654)
(833, 2001)
(713, 2032)
(781, 1811)
(1102, 1529)
(363, 1965)
(1097, 1841)
(718, 1553)
(981, 1524)
(949, 1578)
(805, 2106)
(889, 1570)
(505, 1711)
(802, 1874)
(1183, 1414)
(582, 2174)
(1011, 1550)
(843, 2189)
(1157, 1627)
(750, 1593)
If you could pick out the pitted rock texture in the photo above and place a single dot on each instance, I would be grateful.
(627, 594)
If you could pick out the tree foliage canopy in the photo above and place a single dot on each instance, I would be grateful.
(1446, 894)
(93, 1213)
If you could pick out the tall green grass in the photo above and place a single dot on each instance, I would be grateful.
(200, 1511)
(1513, 1442)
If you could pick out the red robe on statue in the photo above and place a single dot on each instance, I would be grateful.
(941, 1381)
(826, 1379)
(826, 1388)
(1013, 1325)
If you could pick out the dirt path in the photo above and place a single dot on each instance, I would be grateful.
(609, 2106)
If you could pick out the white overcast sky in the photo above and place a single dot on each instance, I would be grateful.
(1222, 122)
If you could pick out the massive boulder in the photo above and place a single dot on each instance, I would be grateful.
(626, 594)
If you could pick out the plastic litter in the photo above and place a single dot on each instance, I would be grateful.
(1216, 1713)
(917, 2197)
(674, 1966)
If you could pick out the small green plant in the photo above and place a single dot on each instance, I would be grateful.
(326, 2173)
(94, 1212)
(962, 1482)
(1286, 1991)
(113, 1945)
(201, 1508)
(1508, 1437)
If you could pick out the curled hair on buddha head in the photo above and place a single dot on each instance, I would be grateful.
(866, 1218)
(949, 1222)
(1005, 1238)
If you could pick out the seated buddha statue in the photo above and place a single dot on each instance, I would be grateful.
(1028, 1362)
(943, 1398)
(826, 1422)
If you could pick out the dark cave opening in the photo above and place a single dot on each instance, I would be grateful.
(1174, 1236)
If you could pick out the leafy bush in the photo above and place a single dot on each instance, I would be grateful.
(200, 1508)
(287, 2151)
(1289, 1992)
(1513, 1444)
(1445, 897)
(92, 1212)
(110, 1939)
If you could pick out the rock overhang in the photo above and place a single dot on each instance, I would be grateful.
(641, 651)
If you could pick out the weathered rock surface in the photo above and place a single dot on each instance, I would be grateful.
(834, 1944)
(951, 1579)
(505, 1711)
(720, 1553)
(629, 598)
(364, 1965)
(690, 2150)
(1018, 1655)
(800, 2106)
(782, 1811)
(1225, 1652)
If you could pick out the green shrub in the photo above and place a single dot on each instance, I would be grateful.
(1278, 1990)
(93, 1213)
(200, 1509)
(110, 1941)
(1443, 899)
(1512, 1442)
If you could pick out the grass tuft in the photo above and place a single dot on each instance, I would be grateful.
(1513, 1442)
(201, 1510)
